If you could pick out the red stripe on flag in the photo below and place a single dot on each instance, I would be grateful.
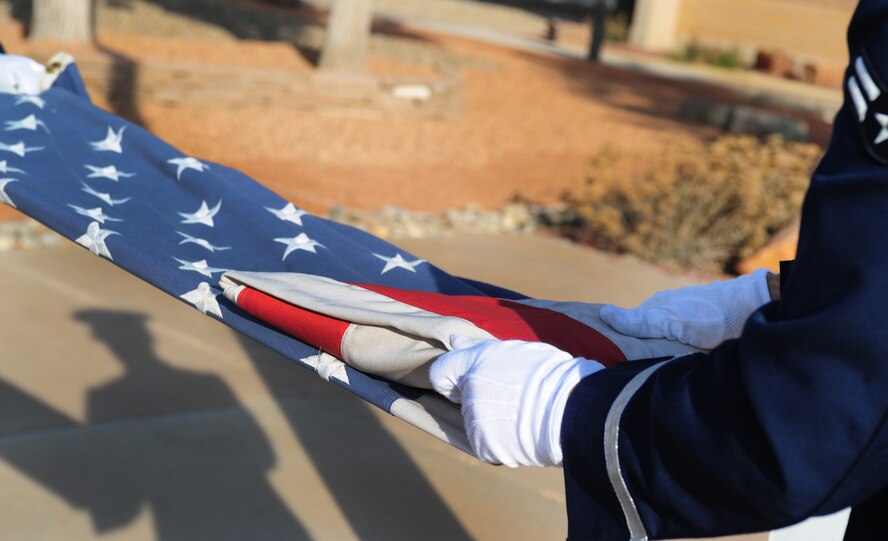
(310, 327)
(509, 320)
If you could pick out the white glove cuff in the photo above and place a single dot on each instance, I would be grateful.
(559, 384)
(750, 293)
(760, 287)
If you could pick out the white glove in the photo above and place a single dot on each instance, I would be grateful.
(513, 396)
(21, 75)
(702, 316)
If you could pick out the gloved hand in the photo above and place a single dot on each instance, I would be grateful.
(21, 75)
(702, 316)
(513, 395)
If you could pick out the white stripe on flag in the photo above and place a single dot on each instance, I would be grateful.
(632, 348)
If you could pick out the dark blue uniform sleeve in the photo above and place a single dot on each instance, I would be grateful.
(789, 420)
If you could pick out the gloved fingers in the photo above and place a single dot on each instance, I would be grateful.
(694, 321)
(492, 451)
(706, 329)
(488, 437)
(447, 373)
(635, 322)
(20, 75)
(512, 396)
(457, 341)
(702, 316)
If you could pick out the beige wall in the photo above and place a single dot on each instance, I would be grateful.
(654, 24)
(810, 30)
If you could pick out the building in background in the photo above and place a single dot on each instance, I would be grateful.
(796, 38)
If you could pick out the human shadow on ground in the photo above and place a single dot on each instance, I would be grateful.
(379, 489)
(196, 460)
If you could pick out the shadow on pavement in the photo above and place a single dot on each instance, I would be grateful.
(197, 461)
(375, 483)
(176, 444)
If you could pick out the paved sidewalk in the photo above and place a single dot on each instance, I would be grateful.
(522, 29)
(125, 414)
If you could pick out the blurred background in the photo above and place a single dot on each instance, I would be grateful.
(621, 146)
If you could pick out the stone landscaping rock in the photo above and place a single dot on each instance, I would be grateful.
(712, 113)
(394, 222)
(389, 222)
(26, 234)
(744, 119)
(759, 122)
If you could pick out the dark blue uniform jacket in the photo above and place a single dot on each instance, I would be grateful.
(788, 421)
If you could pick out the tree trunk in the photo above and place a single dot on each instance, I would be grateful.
(348, 33)
(63, 20)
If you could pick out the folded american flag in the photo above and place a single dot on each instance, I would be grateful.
(179, 223)
(397, 333)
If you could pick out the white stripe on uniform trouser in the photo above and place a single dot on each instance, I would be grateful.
(612, 452)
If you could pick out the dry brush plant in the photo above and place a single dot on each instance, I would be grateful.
(698, 206)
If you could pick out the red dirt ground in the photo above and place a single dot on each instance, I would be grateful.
(528, 127)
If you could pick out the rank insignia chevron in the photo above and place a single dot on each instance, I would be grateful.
(870, 98)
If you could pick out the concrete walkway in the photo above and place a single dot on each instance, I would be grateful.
(522, 29)
(125, 414)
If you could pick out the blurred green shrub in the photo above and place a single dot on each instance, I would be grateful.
(721, 57)
(702, 207)
(616, 28)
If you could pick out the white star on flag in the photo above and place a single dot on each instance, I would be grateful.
(187, 163)
(198, 266)
(288, 214)
(299, 242)
(203, 299)
(399, 262)
(104, 196)
(3, 197)
(882, 119)
(30, 122)
(6, 169)
(110, 172)
(201, 242)
(203, 215)
(33, 100)
(19, 148)
(96, 214)
(327, 366)
(111, 142)
(94, 240)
